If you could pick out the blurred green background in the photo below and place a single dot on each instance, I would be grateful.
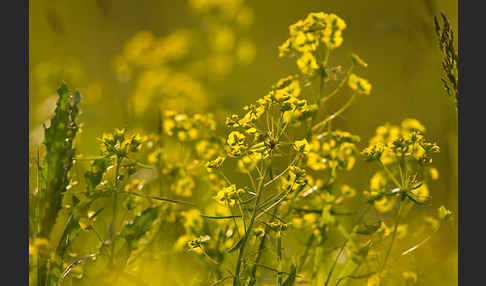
(77, 41)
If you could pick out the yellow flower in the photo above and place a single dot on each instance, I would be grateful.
(407, 275)
(207, 149)
(315, 161)
(410, 124)
(249, 162)
(304, 42)
(228, 195)
(385, 134)
(378, 181)
(374, 280)
(134, 185)
(236, 143)
(235, 138)
(384, 205)
(259, 232)
(359, 84)
(216, 163)
(246, 52)
(444, 214)
(284, 48)
(402, 230)
(302, 146)
(332, 34)
(432, 222)
(193, 221)
(307, 64)
(434, 174)
(222, 39)
(421, 193)
(347, 191)
(184, 186)
(245, 17)
(286, 88)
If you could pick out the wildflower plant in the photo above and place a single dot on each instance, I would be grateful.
(238, 201)
(111, 176)
(293, 160)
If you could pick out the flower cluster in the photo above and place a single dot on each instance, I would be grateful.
(306, 35)
(333, 151)
(392, 143)
(358, 84)
(120, 144)
(285, 93)
(188, 128)
(405, 158)
(282, 106)
(295, 181)
(229, 195)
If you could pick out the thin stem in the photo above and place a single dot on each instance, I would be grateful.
(159, 126)
(208, 257)
(274, 204)
(358, 221)
(389, 173)
(242, 215)
(279, 258)
(252, 180)
(157, 198)
(96, 233)
(316, 127)
(282, 173)
(303, 258)
(224, 177)
(259, 253)
(279, 200)
(236, 280)
(272, 269)
(393, 235)
(115, 201)
(318, 101)
(234, 220)
(276, 177)
(340, 85)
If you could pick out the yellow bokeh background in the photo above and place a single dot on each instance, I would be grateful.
(127, 57)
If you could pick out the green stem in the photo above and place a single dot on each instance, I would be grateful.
(282, 173)
(389, 173)
(115, 202)
(159, 161)
(303, 258)
(339, 87)
(358, 221)
(259, 253)
(394, 234)
(318, 101)
(316, 127)
(236, 280)
(279, 259)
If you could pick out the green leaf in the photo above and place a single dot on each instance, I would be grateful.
(54, 177)
(59, 138)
